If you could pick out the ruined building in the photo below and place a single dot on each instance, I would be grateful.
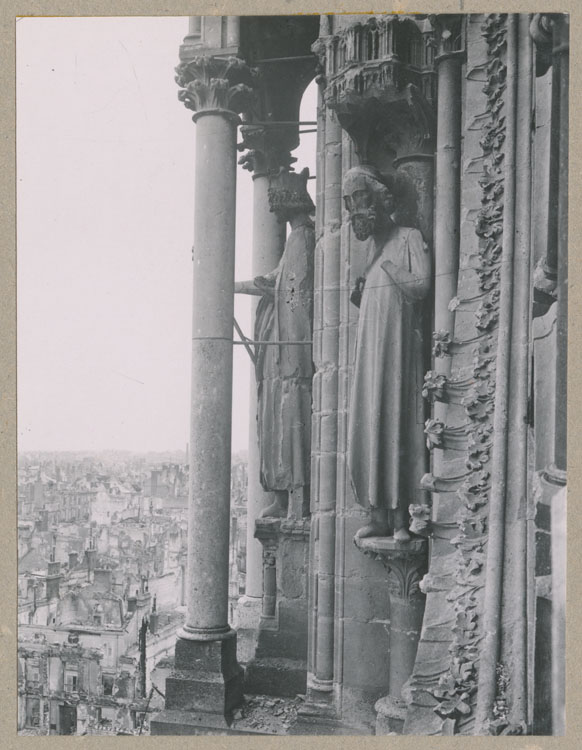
(406, 507)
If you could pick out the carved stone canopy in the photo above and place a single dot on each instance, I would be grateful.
(384, 121)
(380, 81)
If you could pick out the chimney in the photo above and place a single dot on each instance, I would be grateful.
(143, 598)
(54, 568)
(91, 556)
(154, 616)
(154, 482)
(73, 560)
(44, 520)
(102, 580)
(53, 580)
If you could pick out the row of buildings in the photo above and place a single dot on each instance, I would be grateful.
(101, 585)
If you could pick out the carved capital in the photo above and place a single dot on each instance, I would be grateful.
(404, 576)
(448, 34)
(265, 149)
(405, 562)
(213, 84)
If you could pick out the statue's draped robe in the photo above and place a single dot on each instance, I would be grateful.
(284, 373)
(386, 451)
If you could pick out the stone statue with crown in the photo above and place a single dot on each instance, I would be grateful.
(386, 416)
(283, 366)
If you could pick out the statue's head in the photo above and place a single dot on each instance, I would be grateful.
(288, 194)
(369, 199)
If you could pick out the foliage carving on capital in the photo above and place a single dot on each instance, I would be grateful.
(265, 149)
(209, 83)
(404, 576)
(405, 563)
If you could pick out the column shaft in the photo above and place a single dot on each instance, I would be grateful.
(561, 58)
(447, 190)
(328, 373)
(515, 583)
(447, 213)
(316, 395)
(491, 626)
(210, 427)
(405, 626)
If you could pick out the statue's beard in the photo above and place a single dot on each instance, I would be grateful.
(364, 224)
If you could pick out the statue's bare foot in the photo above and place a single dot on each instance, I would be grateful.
(402, 535)
(375, 528)
(273, 511)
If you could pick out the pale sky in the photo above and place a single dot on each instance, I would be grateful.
(105, 225)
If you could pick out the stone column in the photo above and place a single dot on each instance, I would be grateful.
(449, 62)
(561, 55)
(562, 61)
(210, 427)
(327, 374)
(405, 563)
(207, 682)
(550, 35)
(267, 534)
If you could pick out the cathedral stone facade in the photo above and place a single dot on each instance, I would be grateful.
(411, 342)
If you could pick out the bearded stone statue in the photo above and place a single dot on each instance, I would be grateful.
(386, 450)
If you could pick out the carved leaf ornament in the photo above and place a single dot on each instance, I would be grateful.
(457, 686)
(208, 83)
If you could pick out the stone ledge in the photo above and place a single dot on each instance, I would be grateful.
(273, 676)
(266, 528)
(387, 546)
(173, 722)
